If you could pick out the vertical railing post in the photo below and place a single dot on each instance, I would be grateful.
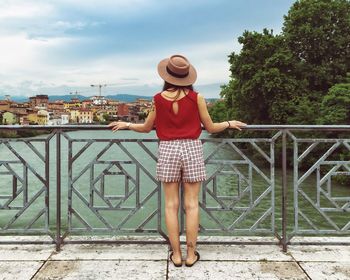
(47, 184)
(284, 191)
(58, 190)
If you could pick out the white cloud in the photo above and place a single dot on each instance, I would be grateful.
(74, 25)
(103, 4)
(120, 8)
(69, 25)
(211, 60)
(132, 71)
(21, 58)
(24, 9)
(36, 40)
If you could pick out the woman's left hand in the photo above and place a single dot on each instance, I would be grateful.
(237, 124)
(118, 125)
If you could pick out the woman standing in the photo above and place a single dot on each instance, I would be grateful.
(178, 112)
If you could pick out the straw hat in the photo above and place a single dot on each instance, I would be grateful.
(177, 71)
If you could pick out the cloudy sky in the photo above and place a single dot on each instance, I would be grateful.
(54, 47)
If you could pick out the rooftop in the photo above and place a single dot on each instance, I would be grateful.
(151, 261)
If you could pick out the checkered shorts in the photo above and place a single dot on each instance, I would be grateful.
(180, 159)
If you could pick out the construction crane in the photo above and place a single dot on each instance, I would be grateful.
(99, 88)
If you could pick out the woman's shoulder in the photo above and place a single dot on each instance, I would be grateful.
(196, 94)
(156, 96)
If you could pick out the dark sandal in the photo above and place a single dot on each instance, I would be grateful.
(176, 264)
(198, 256)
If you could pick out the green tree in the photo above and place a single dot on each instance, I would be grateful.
(106, 117)
(264, 79)
(142, 115)
(317, 32)
(278, 79)
(227, 93)
(95, 118)
(218, 111)
(335, 106)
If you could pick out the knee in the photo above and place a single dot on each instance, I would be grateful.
(191, 205)
(172, 206)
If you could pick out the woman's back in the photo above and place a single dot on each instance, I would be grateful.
(177, 119)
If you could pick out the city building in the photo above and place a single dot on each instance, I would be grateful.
(143, 101)
(123, 109)
(97, 108)
(5, 105)
(72, 104)
(56, 106)
(85, 116)
(99, 100)
(39, 101)
(106, 115)
(23, 119)
(74, 115)
(64, 118)
(18, 108)
(134, 112)
(32, 117)
(86, 103)
(43, 117)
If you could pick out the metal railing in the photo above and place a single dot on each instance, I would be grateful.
(59, 184)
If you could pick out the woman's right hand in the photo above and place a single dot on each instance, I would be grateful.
(237, 124)
(118, 125)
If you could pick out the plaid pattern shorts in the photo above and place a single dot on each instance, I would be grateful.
(180, 160)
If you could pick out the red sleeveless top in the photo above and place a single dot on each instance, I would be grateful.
(186, 124)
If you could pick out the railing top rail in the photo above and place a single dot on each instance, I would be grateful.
(247, 127)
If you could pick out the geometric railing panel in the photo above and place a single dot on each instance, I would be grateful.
(113, 188)
(24, 185)
(239, 193)
(324, 181)
(320, 207)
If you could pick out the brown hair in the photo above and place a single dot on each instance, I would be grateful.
(170, 87)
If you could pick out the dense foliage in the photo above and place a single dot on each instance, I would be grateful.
(335, 105)
(284, 78)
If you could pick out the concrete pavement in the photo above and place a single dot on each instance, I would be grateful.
(151, 261)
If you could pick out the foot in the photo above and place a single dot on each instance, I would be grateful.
(176, 259)
(192, 259)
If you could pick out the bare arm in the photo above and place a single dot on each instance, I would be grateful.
(209, 125)
(138, 127)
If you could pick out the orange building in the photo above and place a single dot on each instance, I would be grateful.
(85, 115)
(40, 100)
(87, 103)
(4, 105)
(56, 106)
(123, 109)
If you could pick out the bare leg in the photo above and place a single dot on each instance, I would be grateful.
(191, 191)
(171, 191)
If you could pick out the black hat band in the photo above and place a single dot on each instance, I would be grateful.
(175, 74)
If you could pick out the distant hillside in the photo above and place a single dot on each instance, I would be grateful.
(15, 98)
(127, 97)
(66, 97)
